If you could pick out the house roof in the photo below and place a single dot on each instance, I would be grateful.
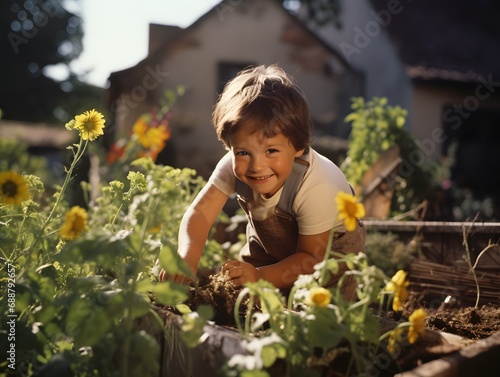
(129, 77)
(446, 40)
(160, 35)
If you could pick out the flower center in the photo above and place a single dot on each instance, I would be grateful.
(351, 208)
(9, 189)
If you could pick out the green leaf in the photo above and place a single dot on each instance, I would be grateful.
(140, 305)
(169, 293)
(104, 250)
(183, 308)
(86, 323)
(324, 330)
(206, 312)
(193, 332)
(400, 121)
(93, 329)
(173, 264)
(272, 352)
(146, 351)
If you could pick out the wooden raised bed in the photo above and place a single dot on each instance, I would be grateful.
(481, 358)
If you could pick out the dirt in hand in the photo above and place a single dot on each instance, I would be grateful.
(219, 292)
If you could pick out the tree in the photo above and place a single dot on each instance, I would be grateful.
(35, 35)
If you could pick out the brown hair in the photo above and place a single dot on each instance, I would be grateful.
(267, 99)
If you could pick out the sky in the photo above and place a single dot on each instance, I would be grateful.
(116, 32)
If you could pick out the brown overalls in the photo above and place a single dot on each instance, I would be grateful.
(275, 238)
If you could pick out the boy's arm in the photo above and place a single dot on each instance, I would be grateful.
(310, 251)
(197, 222)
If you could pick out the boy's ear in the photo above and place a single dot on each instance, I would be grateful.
(300, 152)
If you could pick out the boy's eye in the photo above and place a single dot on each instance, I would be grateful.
(272, 151)
(242, 153)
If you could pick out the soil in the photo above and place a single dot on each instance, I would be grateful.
(219, 292)
(471, 323)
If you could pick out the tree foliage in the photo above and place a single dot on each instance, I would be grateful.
(37, 34)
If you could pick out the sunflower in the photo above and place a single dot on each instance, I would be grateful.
(349, 210)
(320, 296)
(13, 188)
(75, 224)
(90, 124)
(398, 285)
(417, 325)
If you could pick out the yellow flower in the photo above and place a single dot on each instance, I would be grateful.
(75, 224)
(417, 326)
(394, 338)
(140, 128)
(151, 137)
(155, 229)
(349, 210)
(90, 124)
(398, 285)
(13, 188)
(320, 296)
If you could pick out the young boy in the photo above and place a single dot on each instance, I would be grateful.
(286, 188)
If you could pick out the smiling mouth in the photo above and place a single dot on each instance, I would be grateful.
(260, 178)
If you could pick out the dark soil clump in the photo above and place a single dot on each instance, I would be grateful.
(469, 322)
(219, 292)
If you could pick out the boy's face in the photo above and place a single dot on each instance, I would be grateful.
(262, 163)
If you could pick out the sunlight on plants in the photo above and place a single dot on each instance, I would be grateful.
(81, 278)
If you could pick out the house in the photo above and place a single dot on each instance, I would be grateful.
(440, 61)
(205, 55)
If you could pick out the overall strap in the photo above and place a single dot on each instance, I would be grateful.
(292, 185)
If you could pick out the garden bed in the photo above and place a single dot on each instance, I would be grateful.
(440, 354)
(460, 338)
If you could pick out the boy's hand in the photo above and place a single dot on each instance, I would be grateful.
(241, 272)
(181, 279)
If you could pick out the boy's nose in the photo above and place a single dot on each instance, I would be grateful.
(256, 164)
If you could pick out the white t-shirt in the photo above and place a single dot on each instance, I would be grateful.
(314, 206)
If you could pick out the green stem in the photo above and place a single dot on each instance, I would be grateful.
(237, 306)
(129, 321)
(248, 317)
(77, 156)
(289, 328)
(116, 216)
(325, 258)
